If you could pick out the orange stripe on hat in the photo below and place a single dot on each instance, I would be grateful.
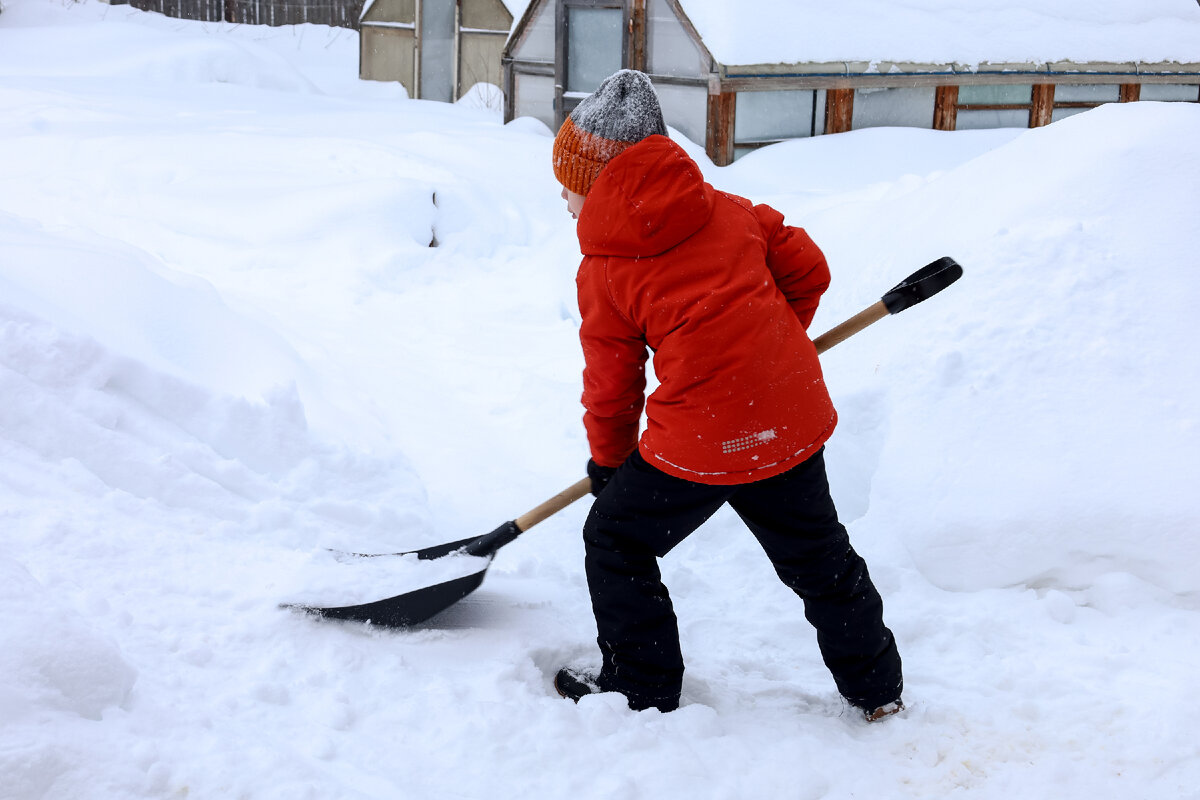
(579, 156)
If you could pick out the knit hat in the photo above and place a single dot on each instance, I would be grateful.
(622, 112)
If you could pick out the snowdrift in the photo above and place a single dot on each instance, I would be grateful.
(1053, 389)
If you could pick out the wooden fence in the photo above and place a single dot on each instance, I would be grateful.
(339, 13)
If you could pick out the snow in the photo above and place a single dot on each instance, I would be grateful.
(948, 31)
(226, 345)
(516, 8)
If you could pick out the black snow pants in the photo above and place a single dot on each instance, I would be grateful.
(643, 513)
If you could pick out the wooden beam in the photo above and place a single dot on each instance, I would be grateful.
(560, 60)
(637, 35)
(722, 109)
(1040, 113)
(945, 108)
(1131, 92)
(839, 110)
(510, 89)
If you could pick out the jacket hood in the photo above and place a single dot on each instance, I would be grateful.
(646, 200)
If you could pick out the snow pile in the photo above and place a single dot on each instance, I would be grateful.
(1063, 360)
(227, 344)
(51, 658)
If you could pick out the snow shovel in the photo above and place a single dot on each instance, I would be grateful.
(412, 608)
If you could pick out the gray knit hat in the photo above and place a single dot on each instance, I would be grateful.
(622, 112)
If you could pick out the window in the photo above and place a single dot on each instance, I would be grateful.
(437, 50)
(590, 43)
(995, 95)
(895, 108)
(993, 106)
(1168, 92)
(538, 44)
(685, 108)
(1070, 99)
(763, 118)
(670, 49)
(766, 117)
(533, 96)
(594, 47)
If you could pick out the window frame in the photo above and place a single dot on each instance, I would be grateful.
(564, 100)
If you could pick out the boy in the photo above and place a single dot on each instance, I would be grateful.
(722, 292)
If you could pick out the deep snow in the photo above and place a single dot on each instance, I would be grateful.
(226, 344)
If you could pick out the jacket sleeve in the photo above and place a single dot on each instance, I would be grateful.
(614, 372)
(796, 263)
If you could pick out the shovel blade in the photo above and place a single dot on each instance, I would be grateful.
(403, 610)
(413, 608)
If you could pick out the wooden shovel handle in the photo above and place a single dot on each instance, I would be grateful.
(554, 504)
(868, 316)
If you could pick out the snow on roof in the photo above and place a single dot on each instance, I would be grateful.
(967, 32)
(516, 8)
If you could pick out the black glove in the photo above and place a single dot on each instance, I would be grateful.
(599, 475)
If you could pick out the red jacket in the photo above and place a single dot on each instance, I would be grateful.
(722, 292)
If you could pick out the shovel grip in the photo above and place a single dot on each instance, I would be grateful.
(554, 504)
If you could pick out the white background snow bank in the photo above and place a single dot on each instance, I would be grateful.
(225, 344)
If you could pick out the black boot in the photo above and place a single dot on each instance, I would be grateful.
(574, 684)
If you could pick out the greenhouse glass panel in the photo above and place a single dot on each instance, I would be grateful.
(594, 42)
(999, 118)
(539, 37)
(437, 51)
(1017, 94)
(533, 96)
(1086, 93)
(893, 108)
(1062, 113)
(767, 116)
(685, 108)
(1170, 92)
(670, 50)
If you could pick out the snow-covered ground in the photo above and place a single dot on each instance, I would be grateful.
(226, 344)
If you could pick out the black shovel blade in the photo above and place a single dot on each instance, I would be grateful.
(412, 608)
(403, 610)
(922, 284)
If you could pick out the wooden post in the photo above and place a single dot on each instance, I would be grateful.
(722, 109)
(510, 90)
(839, 110)
(1040, 113)
(560, 62)
(1131, 92)
(945, 108)
(637, 36)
